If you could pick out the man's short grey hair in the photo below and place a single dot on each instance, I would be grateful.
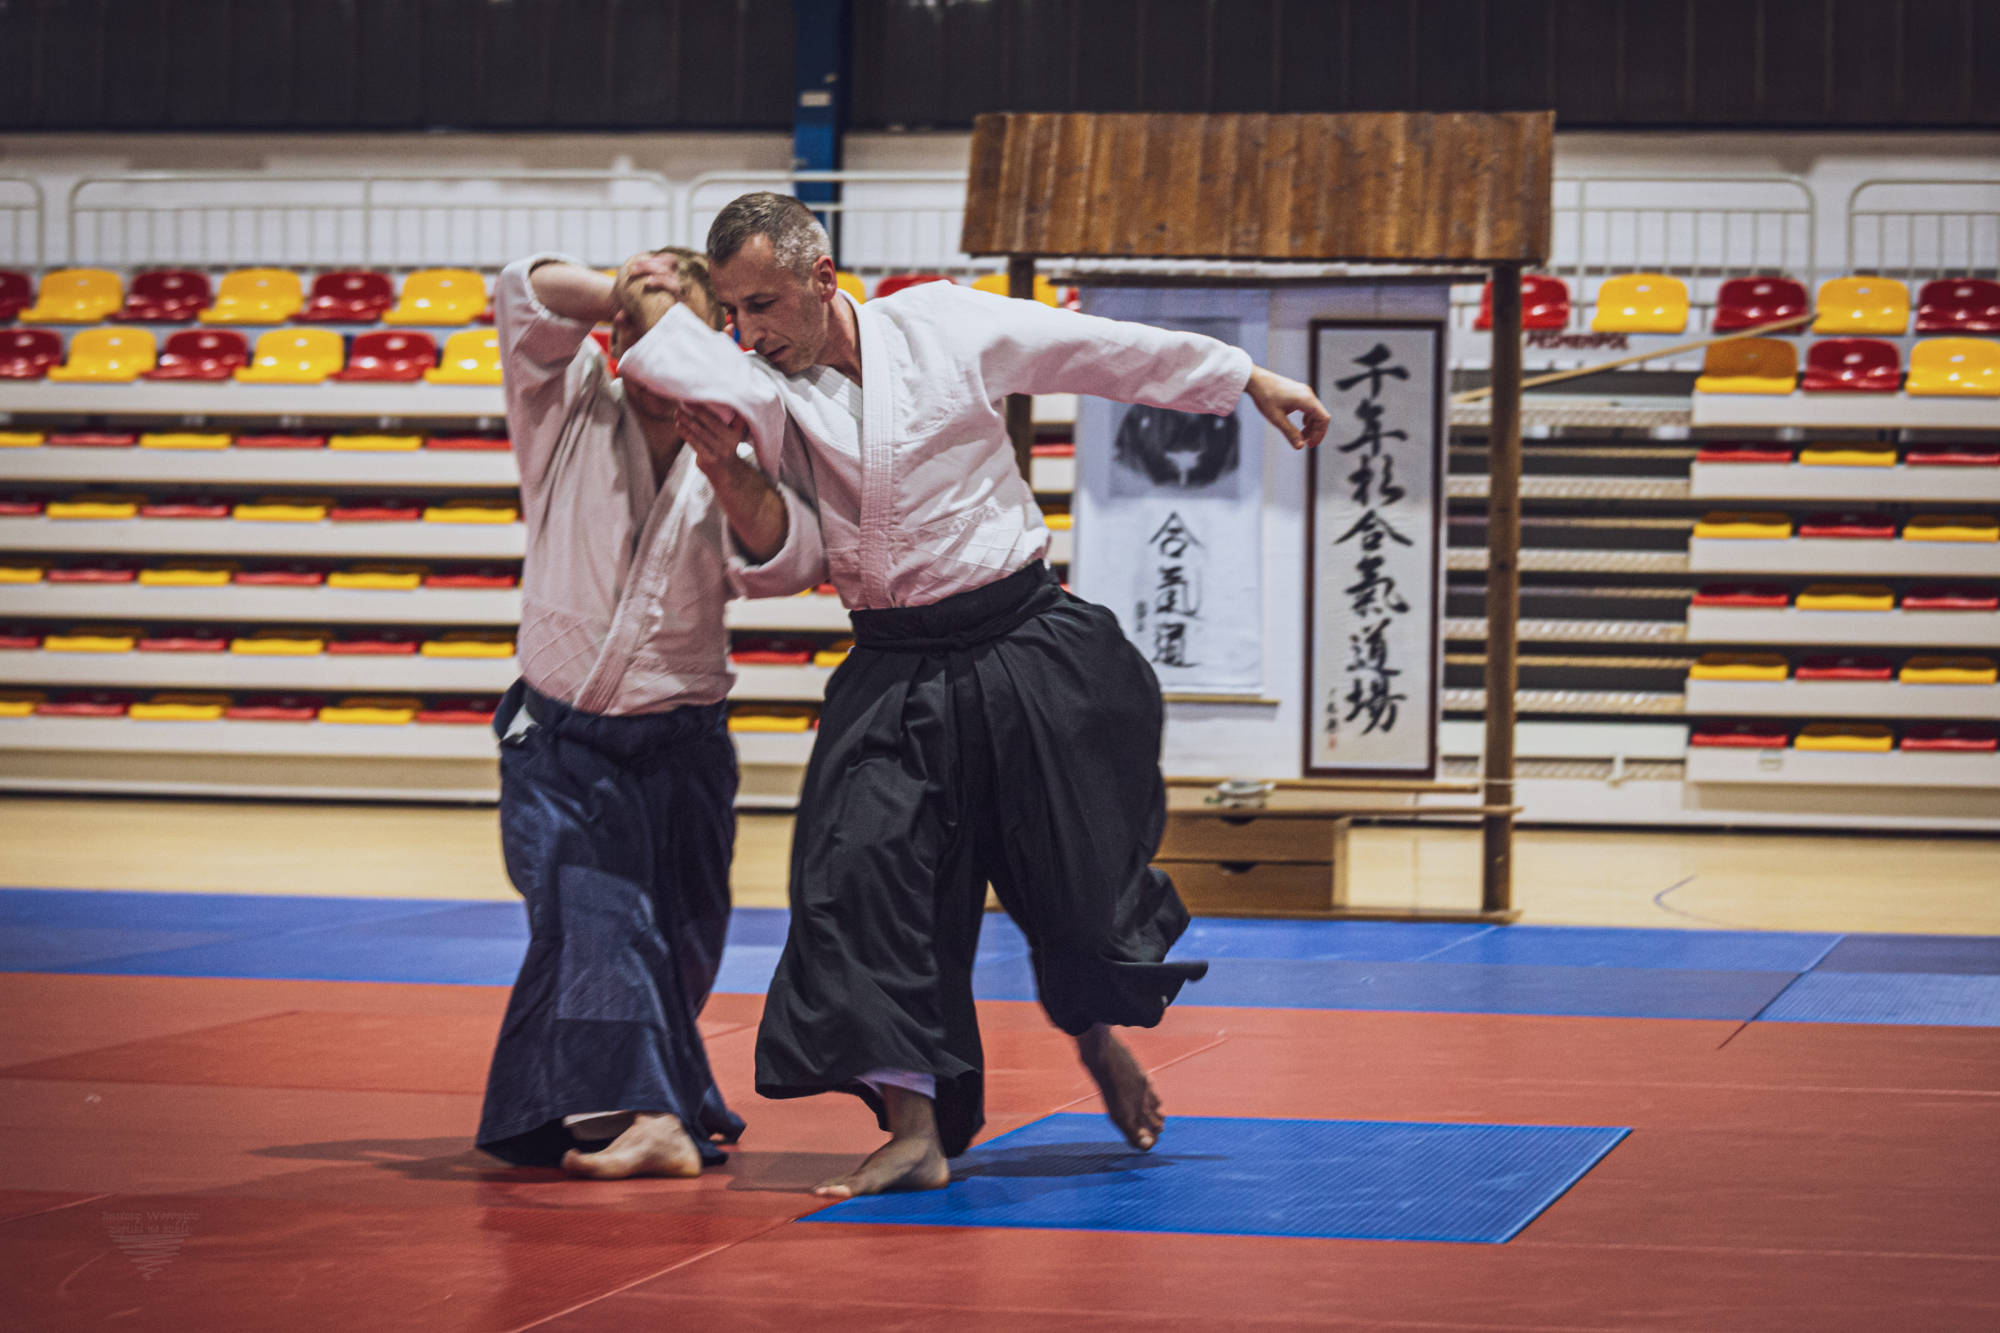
(797, 238)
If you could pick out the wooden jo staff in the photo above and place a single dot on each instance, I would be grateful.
(1477, 395)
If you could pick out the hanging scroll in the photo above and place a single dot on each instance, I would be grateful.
(1375, 547)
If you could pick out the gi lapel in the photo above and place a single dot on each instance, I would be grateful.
(878, 473)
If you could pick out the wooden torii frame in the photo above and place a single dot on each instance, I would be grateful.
(1400, 188)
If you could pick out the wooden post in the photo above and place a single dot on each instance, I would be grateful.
(1021, 406)
(1503, 589)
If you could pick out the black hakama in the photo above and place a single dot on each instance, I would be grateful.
(1009, 734)
(617, 831)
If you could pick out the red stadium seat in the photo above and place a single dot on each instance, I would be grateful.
(17, 293)
(380, 509)
(290, 574)
(390, 356)
(1976, 737)
(185, 641)
(201, 354)
(469, 443)
(27, 354)
(1872, 527)
(94, 439)
(17, 504)
(772, 651)
(374, 643)
(460, 712)
(1739, 735)
(275, 708)
(889, 286)
(1746, 303)
(266, 441)
(1844, 666)
(1768, 595)
(98, 570)
(1754, 451)
(1959, 305)
(166, 296)
(1853, 365)
(1942, 455)
(480, 576)
(1544, 303)
(351, 296)
(185, 506)
(1949, 598)
(88, 703)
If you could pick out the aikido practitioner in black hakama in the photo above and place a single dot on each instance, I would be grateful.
(987, 725)
(617, 776)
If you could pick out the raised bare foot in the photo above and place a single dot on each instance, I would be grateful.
(655, 1145)
(899, 1164)
(1129, 1098)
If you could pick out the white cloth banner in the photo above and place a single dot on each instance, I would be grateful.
(1375, 551)
(1170, 507)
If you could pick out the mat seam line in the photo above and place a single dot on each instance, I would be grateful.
(709, 1253)
(59, 1207)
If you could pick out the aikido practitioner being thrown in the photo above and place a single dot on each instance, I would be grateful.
(617, 776)
(988, 726)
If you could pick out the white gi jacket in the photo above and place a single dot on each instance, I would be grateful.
(625, 581)
(918, 491)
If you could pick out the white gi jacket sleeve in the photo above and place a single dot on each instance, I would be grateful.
(1028, 347)
(539, 367)
(682, 357)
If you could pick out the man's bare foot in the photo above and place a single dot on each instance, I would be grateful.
(912, 1159)
(655, 1145)
(899, 1164)
(1128, 1094)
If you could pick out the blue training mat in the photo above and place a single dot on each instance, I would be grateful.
(1234, 1176)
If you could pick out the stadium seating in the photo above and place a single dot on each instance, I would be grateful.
(201, 355)
(1544, 303)
(1959, 305)
(1045, 291)
(350, 296)
(390, 356)
(471, 357)
(1852, 365)
(75, 296)
(889, 286)
(165, 296)
(1958, 367)
(255, 296)
(16, 293)
(1641, 303)
(1749, 365)
(294, 356)
(108, 355)
(1748, 303)
(1862, 305)
(27, 354)
(439, 296)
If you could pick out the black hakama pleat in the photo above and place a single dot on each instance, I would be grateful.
(1010, 734)
(617, 831)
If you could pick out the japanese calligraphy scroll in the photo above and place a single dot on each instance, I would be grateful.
(1375, 551)
(1173, 538)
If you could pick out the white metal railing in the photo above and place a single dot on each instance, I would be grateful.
(883, 221)
(22, 211)
(382, 220)
(1922, 229)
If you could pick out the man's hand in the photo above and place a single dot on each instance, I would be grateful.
(756, 512)
(1277, 398)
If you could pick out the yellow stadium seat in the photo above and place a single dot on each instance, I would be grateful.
(21, 439)
(834, 656)
(111, 356)
(439, 296)
(1045, 291)
(280, 643)
(182, 439)
(371, 711)
(294, 356)
(1861, 737)
(851, 284)
(471, 357)
(1743, 525)
(385, 444)
(180, 708)
(471, 511)
(469, 644)
(1739, 666)
(1749, 365)
(1847, 455)
(91, 641)
(94, 506)
(1059, 522)
(283, 509)
(772, 718)
(1949, 671)
(1641, 303)
(15, 573)
(1952, 528)
(388, 578)
(1846, 597)
(75, 296)
(1967, 367)
(187, 576)
(1862, 305)
(20, 703)
(256, 296)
